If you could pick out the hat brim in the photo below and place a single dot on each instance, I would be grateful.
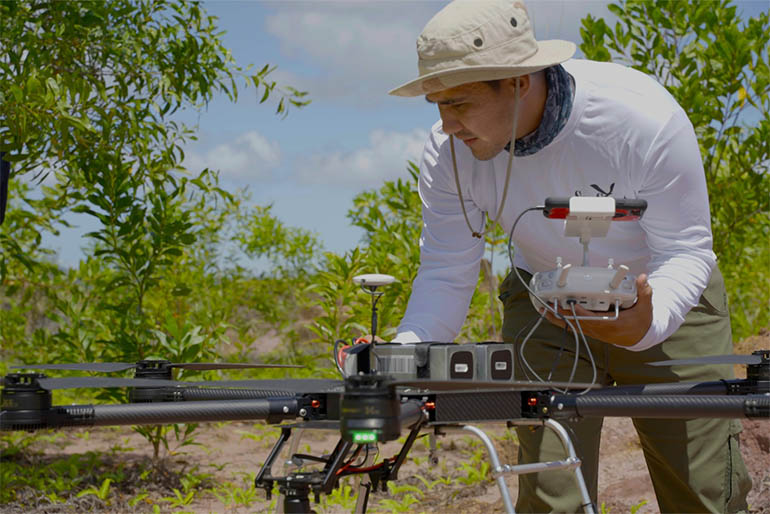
(549, 53)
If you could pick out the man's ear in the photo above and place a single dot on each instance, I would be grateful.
(524, 85)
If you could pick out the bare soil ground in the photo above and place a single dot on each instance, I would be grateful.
(234, 452)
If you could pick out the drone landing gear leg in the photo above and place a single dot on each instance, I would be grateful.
(497, 470)
(291, 462)
(571, 462)
(432, 452)
(364, 481)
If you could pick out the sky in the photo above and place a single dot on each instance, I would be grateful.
(353, 136)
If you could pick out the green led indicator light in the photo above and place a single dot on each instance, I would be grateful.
(364, 437)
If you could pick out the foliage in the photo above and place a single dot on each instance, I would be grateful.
(392, 221)
(290, 250)
(83, 82)
(19, 234)
(232, 494)
(82, 98)
(33, 478)
(403, 498)
(715, 64)
(88, 106)
(102, 492)
(342, 498)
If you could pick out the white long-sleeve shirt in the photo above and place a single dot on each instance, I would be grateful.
(626, 137)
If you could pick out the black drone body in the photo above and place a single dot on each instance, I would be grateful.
(365, 408)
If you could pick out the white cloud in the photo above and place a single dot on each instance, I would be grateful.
(357, 51)
(383, 159)
(560, 19)
(363, 49)
(250, 156)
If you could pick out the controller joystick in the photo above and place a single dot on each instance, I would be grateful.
(593, 288)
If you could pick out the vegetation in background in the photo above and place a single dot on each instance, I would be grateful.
(90, 105)
(715, 64)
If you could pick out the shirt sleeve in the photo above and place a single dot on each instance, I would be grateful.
(449, 254)
(677, 227)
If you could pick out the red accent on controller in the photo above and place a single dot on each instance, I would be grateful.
(558, 213)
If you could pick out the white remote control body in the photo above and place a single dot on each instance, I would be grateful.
(593, 288)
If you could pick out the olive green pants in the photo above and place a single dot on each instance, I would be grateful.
(695, 465)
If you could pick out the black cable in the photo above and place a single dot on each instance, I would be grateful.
(335, 356)
(366, 456)
(561, 351)
(352, 457)
(510, 236)
(546, 307)
(524, 329)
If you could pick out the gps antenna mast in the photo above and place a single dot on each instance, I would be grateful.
(369, 283)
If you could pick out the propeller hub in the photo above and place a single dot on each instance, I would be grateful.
(157, 369)
(154, 369)
(761, 371)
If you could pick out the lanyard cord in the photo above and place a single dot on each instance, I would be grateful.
(476, 233)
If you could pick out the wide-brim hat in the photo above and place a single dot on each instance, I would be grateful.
(479, 40)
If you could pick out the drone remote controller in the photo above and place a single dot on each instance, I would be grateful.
(591, 287)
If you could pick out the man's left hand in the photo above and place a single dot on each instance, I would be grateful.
(632, 323)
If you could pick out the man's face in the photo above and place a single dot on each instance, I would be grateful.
(478, 114)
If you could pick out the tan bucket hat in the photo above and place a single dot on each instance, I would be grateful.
(477, 40)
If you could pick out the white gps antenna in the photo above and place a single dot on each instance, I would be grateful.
(369, 283)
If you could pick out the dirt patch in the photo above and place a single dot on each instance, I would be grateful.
(233, 452)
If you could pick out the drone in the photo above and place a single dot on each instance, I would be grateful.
(388, 390)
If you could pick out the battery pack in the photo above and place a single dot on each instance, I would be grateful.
(487, 361)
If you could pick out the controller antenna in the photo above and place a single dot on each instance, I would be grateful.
(369, 283)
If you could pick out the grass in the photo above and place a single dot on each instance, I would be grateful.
(119, 475)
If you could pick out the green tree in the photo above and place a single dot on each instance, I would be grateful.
(88, 94)
(290, 250)
(715, 63)
(88, 90)
(91, 103)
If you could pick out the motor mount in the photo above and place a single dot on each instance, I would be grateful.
(25, 403)
(370, 410)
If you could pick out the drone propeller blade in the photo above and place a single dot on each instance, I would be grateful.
(713, 359)
(110, 367)
(205, 366)
(103, 367)
(92, 382)
(296, 385)
(464, 385)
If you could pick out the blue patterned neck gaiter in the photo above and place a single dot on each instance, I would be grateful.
(558, 106)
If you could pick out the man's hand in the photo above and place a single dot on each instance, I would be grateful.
(632, 324)
(368, 339)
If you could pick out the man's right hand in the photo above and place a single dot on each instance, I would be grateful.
(368, 339)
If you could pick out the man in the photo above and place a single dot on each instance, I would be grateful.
(581, 128)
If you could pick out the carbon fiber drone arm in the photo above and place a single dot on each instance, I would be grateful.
(657, 406)
(272, 410)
